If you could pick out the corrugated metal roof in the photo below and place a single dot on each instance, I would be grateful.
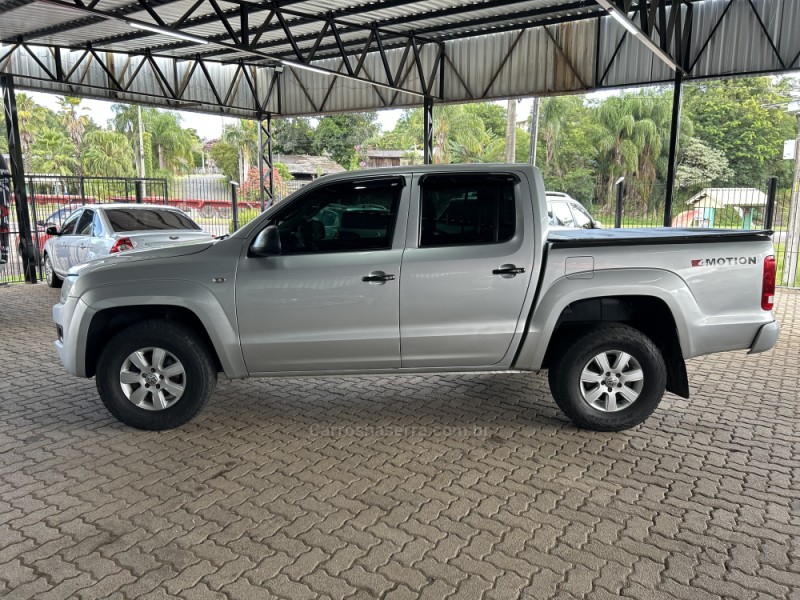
(495, 49)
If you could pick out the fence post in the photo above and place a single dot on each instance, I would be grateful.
(769, 214)
(235, 205)
(620, 193)
(138, 186)
(166, 192)
(83, 190)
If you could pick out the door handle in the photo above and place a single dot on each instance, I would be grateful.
(508, 270)
(377, 277)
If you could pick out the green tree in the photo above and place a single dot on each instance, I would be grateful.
(226, 157)
(745, 119)
(701, 165)
(107, 154)
(53, 154)
(174, 146)
(244, 137)
(338, 136)
(292, 136)
(75, 123)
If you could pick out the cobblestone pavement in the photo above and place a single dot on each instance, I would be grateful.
(458, 486)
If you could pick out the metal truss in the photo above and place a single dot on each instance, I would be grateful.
(427, 135)
(667, 23)
(243, 40)
(265, 163)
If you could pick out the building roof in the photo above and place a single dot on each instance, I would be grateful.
(309, 57)
(392, 153)
(304, 164)
(721, 197)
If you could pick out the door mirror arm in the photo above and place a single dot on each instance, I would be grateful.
(267, 243)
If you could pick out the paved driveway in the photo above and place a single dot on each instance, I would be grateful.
(458, 486)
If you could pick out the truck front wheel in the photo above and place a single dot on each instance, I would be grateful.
(608, 379)
(155, 375)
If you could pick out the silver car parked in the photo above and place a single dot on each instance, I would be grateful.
(567, 213)
(97, 230)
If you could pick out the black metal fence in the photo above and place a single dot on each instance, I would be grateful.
(719, 206)
(208, 199)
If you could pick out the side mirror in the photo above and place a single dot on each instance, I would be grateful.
(51, 230)
(267, 242)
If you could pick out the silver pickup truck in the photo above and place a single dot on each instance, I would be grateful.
(418, 270)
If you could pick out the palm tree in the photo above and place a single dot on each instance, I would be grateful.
(244, 136)
(53, 154)
(31, 122)
(174, 145)
(458, 135)
(74, 122)
(108, 154)
(619, 152)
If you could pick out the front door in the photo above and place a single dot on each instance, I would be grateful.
(62, 245)
(466, 270)
(330, 301)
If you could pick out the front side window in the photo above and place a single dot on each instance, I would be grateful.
(341, 217)
(85, 224)
(562, 214)
(69, 225)
(582, 218)
(458, 211)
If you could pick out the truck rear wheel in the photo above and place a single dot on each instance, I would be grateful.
(155, 375)
(608, 379)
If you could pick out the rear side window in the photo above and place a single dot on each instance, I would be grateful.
(460, 211)
(148, 219)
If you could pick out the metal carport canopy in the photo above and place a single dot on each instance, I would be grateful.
(310, 57)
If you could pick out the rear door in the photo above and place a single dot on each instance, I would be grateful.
(466, 270)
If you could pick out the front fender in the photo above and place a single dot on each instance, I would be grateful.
(219, 324)
(657, 283)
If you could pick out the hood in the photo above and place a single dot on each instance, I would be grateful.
(130, 256)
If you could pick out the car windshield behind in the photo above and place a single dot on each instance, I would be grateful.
(148, 219)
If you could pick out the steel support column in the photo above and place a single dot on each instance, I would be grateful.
(26, 245)
(672, 157)
(427, 134)
(266, 179)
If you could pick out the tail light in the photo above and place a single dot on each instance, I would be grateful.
(121, 245)
(768, 284)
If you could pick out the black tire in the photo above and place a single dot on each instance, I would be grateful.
(53, 280)
(198, 381)
(568, 364)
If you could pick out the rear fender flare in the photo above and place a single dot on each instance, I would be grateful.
(656, 283)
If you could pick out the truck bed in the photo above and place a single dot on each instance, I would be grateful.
(649, 236)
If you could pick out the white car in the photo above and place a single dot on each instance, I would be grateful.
(567, 213)
(97, 230)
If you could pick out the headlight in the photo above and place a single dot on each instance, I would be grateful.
(66, 287)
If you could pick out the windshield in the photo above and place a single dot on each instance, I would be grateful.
(148, 219)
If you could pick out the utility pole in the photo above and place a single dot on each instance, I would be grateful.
(792, 248)
(511, 131)
(534, 130)
(141, 142)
